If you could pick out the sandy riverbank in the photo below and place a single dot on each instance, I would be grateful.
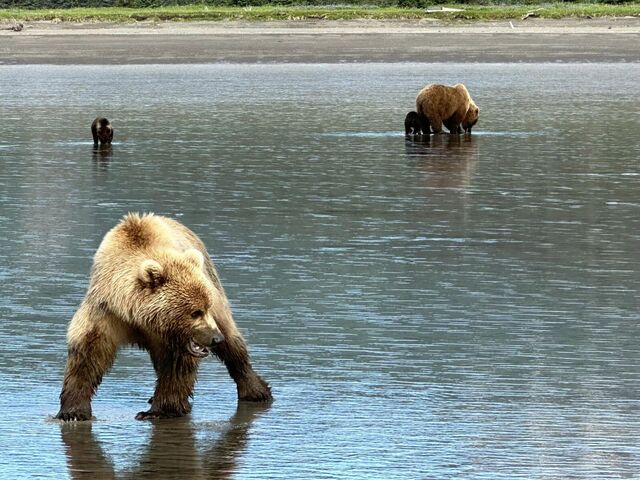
(533, 40)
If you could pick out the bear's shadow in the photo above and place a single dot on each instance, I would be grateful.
(173, 450)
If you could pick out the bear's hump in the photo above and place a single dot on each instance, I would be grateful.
(136, 231)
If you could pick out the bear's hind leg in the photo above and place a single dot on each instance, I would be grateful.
(176, 379)
(425, 124)
(91, 354)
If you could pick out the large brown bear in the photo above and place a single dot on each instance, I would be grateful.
(451, 106)
(153, 285)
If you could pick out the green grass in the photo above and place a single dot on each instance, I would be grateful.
(266, 13)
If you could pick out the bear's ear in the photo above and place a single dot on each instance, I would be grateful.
(150, 274)
(194, 256)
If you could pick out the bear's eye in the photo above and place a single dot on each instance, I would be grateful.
(197, 314)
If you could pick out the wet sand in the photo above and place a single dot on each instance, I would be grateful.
(533, 40)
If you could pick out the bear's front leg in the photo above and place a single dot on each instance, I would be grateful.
(453, 123)
(91, 354)
(436, 125)
(233, 352)
(176, 379)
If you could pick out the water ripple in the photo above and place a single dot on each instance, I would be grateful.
(439, 307)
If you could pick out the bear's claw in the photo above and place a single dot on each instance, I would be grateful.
(74, 415)
(147, 415)
(152, 415)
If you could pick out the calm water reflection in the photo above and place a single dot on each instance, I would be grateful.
(172, 451)
(452, 307)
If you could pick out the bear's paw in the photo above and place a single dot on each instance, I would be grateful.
(254, 390)
(74, 415)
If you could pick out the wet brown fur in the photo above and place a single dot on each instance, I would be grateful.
(149, 275)
(451, 106)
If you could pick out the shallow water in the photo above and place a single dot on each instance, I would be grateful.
(453, 307)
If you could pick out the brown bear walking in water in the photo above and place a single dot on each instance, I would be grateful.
(451, 106)
(153, 285)
(102, 130)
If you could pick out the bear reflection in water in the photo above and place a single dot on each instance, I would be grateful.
(101, 155)
(172, 452)
(448, 161)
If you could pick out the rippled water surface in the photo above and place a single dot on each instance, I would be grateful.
(459, 307)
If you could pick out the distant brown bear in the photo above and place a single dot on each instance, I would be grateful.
(413, 124)
(102, 130)
(153, 285)
(451, 106)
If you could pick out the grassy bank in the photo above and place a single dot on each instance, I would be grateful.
(266, 13)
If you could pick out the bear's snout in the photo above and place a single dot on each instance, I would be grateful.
(203, 340)
(218, 338)
(208, 336)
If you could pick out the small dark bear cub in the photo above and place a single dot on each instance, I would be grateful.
(413, 124)
(102, 131)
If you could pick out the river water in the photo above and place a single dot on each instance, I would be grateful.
(453, 307)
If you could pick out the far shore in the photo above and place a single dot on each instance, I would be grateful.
(614, 39)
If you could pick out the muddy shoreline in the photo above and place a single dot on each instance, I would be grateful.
(533, 40)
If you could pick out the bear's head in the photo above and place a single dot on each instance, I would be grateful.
(179, 302)
(105, 135)
(104, 131)
(471, 117)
